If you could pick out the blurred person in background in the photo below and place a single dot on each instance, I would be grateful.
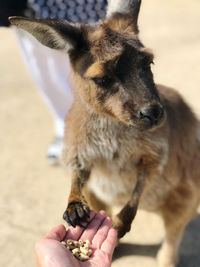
(50, 68)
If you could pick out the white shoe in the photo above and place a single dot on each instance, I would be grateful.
(54, 151)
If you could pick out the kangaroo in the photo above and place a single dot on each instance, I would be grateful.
(128, 142)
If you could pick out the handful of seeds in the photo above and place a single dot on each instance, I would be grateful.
(80, 249)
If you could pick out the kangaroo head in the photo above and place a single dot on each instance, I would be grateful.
(111, 65)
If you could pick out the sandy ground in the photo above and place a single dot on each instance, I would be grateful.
(34, 194)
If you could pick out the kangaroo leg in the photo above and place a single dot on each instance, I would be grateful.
(77, 210)
(176, 215)
(122, 221)
(168, 253)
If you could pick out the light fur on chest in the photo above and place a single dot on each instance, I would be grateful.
(113, 155)
(110, 184)
(105, 141)
(113, 180)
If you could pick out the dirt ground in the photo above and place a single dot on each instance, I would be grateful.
(33, 194)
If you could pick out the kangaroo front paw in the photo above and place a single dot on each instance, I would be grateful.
(121, 231)
(76, 213)
(120, 226)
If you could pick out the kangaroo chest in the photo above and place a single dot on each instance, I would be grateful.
(113, 155)
(112, 184)
(113, 159)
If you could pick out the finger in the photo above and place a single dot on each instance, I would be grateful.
(102, 233)
(109, 244)
(93, 226)
(57, 233)
(75, 233)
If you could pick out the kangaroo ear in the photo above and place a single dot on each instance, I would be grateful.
(56, 34)
(131, 7)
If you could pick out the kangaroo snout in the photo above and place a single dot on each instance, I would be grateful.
(152, 115)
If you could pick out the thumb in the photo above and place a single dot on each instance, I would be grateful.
(57, 233)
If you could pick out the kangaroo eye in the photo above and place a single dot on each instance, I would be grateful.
(103, 82)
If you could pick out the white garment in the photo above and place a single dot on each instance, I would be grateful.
(50, 70)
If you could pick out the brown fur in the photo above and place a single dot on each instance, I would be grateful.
(96, 70)
(120, 147)
(172, 186)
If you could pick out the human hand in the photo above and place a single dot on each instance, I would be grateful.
(51, 253)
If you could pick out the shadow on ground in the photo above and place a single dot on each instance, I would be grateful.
(127, 249)
(189, 248)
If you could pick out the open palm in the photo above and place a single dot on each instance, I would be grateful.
(50, 252)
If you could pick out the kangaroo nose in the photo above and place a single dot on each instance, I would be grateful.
(152, 115)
